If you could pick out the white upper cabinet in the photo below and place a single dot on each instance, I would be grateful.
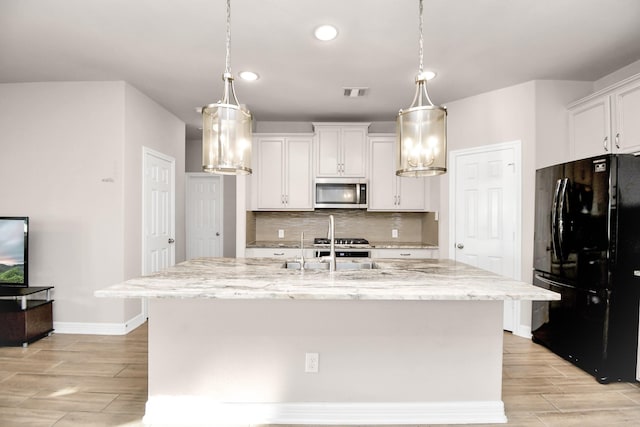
(606, 122)
(388, 192)
(590, 128)
(283, 176)
(627, 117)
(341, 149)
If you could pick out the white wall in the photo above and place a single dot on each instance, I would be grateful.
(500, 116)
(193, 163)
(552, 120)
(193, 155)
(149, 125)
(64, 164)
(533, 113)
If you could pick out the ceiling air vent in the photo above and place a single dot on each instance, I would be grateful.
(355, 92)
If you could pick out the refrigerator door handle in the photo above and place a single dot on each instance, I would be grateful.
(552, 282)
(554, 220)
(562, 285)
(561, 226)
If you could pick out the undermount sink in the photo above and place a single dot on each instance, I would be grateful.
(340, 265)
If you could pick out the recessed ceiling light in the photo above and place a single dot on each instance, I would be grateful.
(248, 75)
(326, 32)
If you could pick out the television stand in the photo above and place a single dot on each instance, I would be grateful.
(24, 319)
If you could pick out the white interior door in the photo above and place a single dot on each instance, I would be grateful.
(486, 213)
(204, 215)
(158, 211)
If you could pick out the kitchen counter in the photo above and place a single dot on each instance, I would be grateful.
(265, 278)
(246, 341)
(309, 245)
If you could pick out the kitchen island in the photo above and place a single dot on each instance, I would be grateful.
(232, 341)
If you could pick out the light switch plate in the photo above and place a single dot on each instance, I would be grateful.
(280, 234)
(394, 233)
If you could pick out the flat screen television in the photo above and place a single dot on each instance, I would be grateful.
(14, 251)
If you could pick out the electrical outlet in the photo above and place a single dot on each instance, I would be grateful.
(280, 234)
(394, 233)
(311, 362)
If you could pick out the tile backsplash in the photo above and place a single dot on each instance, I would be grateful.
(413, 227)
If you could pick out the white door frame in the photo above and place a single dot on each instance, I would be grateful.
(517, 267)
(146, 153)
(189, 176)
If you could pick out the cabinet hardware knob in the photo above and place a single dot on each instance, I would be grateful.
(460, 246)
(171, 240)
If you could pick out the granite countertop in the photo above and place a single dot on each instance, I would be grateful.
(265, 278)
(310, 245)
(402, 245)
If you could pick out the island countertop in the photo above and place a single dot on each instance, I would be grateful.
(266, 278)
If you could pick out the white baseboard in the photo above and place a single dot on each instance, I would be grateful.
(98, 328)
(523, 331)
(192, 410)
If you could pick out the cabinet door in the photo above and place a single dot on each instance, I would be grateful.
(411, 193)
(354, 153)
(329, 151)
(299, 178)
(382, 182)
(627, 114)
(270, 173)
(590, 128)
(405, 253)
(387, 191)
(285, 253)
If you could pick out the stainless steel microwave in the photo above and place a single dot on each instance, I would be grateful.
(341, 193)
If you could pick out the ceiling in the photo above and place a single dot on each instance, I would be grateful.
(173, 50)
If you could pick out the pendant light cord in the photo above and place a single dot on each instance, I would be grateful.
(421, 42)
(228, 46)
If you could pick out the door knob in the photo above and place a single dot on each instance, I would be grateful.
(460, 246)
(217, 233)
(171, 240)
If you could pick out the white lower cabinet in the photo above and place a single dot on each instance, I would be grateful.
(422, 253)
(389, 192)
(284, 253)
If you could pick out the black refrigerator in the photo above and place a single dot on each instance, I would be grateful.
(587, 248)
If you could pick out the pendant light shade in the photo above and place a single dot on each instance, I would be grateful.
(226, 128)
(421, 131)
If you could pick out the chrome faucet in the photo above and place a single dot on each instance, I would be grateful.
(302, 250)
(331, 235)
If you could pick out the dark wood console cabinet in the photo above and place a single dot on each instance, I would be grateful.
(25, 316)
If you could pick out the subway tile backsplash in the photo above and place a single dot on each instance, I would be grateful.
(413, 227)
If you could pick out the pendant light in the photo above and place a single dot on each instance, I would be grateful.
(226, 127)
(421, 131)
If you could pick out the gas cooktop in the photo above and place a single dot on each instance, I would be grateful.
(341, 241)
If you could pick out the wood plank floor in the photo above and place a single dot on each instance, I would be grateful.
(92, 380)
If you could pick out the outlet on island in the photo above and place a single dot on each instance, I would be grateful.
(394, 233)
(280, 234)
